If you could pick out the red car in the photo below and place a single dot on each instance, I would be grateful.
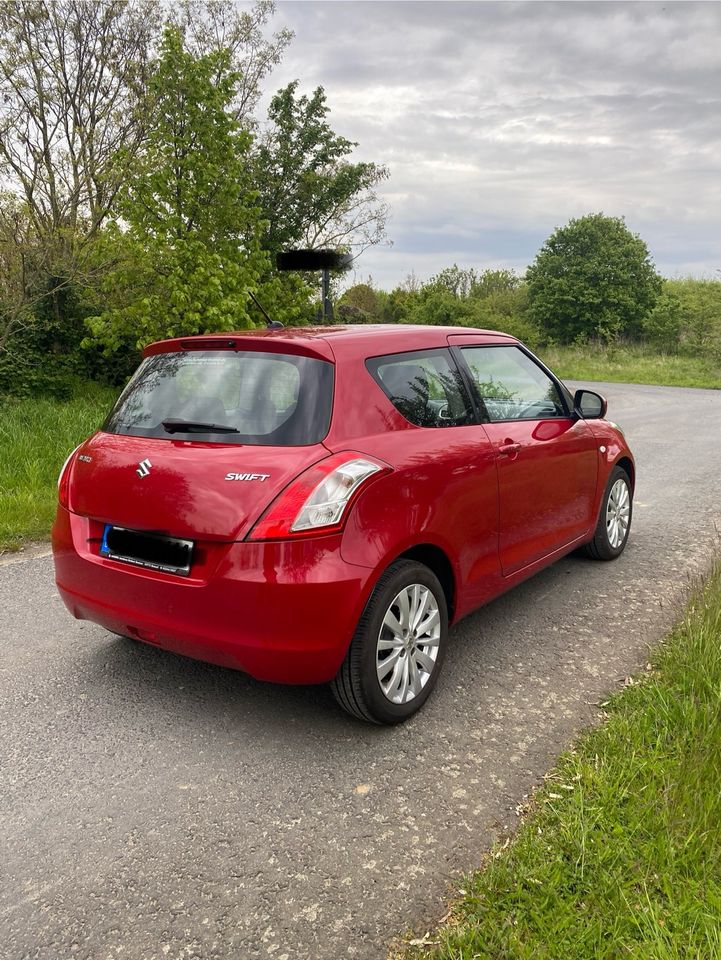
(318, 505)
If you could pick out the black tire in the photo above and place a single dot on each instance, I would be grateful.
(357, 687)
(601, 547)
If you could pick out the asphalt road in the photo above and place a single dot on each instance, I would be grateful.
(153, 807)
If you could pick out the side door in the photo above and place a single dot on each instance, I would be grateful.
(444, 487)
(547, 460)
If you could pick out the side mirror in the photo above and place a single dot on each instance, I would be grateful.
(589, 405)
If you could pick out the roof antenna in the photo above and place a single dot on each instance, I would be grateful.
(271, 324)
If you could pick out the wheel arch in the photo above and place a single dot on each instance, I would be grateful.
(627, 464)
(439, 563)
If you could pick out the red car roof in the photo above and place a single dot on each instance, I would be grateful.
(329, 341)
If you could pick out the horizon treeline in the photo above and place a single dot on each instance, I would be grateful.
(145, 196)
(593, 281)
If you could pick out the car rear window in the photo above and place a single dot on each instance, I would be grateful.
(425, 386)
(270, 399)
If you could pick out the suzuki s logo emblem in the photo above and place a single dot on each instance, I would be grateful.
(144, 468)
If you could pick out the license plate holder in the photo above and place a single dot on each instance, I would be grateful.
(150, 551)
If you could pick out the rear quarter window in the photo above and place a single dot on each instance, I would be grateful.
(424, 386)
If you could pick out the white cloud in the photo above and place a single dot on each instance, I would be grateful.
(500, 121)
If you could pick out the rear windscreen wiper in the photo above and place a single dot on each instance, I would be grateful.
(171, 425)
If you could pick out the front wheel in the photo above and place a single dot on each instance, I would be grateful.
(397, 651)
(614, 521)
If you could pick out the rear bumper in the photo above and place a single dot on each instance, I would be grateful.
(283, 612)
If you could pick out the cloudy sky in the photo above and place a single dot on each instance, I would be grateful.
(500, 121)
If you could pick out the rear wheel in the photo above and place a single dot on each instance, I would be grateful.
(614, 520)
(397, 651)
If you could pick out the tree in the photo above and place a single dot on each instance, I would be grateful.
(21, 286)
(454, 280)
(188, 244)
(495, 282)
(212, 26)
(311, 194)
(592, 278)
(468, 283)
(72, 77)
(438, 306)
(359, 304)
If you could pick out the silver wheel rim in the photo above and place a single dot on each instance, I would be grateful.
(618, 513)
(408, 643)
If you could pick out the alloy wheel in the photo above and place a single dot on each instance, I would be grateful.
(618, 513)
(408, 643)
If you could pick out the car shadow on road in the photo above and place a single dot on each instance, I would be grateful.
(127, 672)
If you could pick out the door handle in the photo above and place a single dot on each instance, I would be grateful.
(508, 447)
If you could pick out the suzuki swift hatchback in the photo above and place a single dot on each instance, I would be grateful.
(319, 505)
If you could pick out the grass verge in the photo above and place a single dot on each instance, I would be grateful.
(620, 855)
(633, 363)
(36, 435)
(35, 438)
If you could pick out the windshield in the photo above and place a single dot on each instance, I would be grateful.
(270, 399)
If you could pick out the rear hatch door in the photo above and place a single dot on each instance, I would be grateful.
(181, 488)
(203, 438)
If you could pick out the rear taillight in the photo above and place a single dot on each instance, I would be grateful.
(64, 479)
(318, 501)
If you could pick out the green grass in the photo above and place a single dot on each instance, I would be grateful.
(620, 855)
(35, 438)
(633, 363)
(36, 435)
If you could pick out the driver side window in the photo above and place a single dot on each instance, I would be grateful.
(511, 385)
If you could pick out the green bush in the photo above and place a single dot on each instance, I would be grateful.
(360, 301)
(662, 326)
(52, 356)
(700, 307)
(438, 307)
(45, 359)
(507, 311)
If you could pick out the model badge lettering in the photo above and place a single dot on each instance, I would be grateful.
(247, 476)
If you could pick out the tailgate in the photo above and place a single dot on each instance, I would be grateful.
(182, 488)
